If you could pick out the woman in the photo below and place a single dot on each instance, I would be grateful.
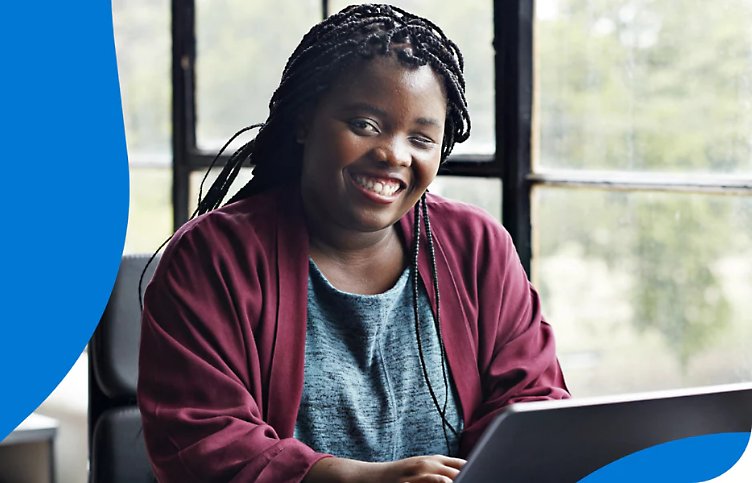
(290, 334)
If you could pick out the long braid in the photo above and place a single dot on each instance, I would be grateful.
(437, 318)
(226, 177)
(416, 313)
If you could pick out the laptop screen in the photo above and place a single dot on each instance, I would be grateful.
(562, 441)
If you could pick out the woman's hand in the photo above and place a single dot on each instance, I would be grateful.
(418, 469)
(421, 469)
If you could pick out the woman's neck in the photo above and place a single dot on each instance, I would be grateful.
(366, 263)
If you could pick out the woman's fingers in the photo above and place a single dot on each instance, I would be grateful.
(427, 469)
(457, 463)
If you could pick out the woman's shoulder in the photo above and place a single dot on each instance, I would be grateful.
(247, 217)
(243, 227)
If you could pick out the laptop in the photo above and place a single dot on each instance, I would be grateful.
(564, 441)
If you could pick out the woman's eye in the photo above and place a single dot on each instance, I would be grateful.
(423, 142)
(364, 126)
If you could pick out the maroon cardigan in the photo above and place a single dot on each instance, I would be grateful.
(224, 328)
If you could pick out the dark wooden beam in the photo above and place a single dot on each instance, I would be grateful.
(513, 42)
(183, 105)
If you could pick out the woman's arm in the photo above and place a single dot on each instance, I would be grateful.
(201, 376)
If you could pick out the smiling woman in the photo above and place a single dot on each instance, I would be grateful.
(320, 326)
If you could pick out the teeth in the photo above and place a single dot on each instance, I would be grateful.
(387, 188)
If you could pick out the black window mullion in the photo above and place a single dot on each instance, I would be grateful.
(183, 105)
(513, 42)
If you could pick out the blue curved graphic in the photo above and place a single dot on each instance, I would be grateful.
(685, 460)
(64, 191)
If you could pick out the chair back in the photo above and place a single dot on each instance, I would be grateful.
(117, 452)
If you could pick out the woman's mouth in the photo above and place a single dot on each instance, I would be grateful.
(380, 186)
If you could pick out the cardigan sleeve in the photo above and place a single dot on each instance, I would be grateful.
(199, 372)
(516, 350)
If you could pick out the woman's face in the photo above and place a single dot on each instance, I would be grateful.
(372, 145)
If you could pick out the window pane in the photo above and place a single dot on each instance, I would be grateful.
(241, 49)
(470, 25)
(482, 192)
(645, 85)
(646, 290)
(150, 215)
(142, 40)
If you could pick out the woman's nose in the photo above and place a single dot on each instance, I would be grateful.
(394, 153)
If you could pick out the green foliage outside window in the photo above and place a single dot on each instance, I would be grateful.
(653, 87)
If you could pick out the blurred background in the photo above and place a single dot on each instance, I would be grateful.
(639, 168)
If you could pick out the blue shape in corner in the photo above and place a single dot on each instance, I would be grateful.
(686, 460)
(64, 189)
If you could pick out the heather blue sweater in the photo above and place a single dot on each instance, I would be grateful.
(364, 394)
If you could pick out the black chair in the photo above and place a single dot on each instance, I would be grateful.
(116, 443)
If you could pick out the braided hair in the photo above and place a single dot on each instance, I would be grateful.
(325, 52)
(328, 49)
